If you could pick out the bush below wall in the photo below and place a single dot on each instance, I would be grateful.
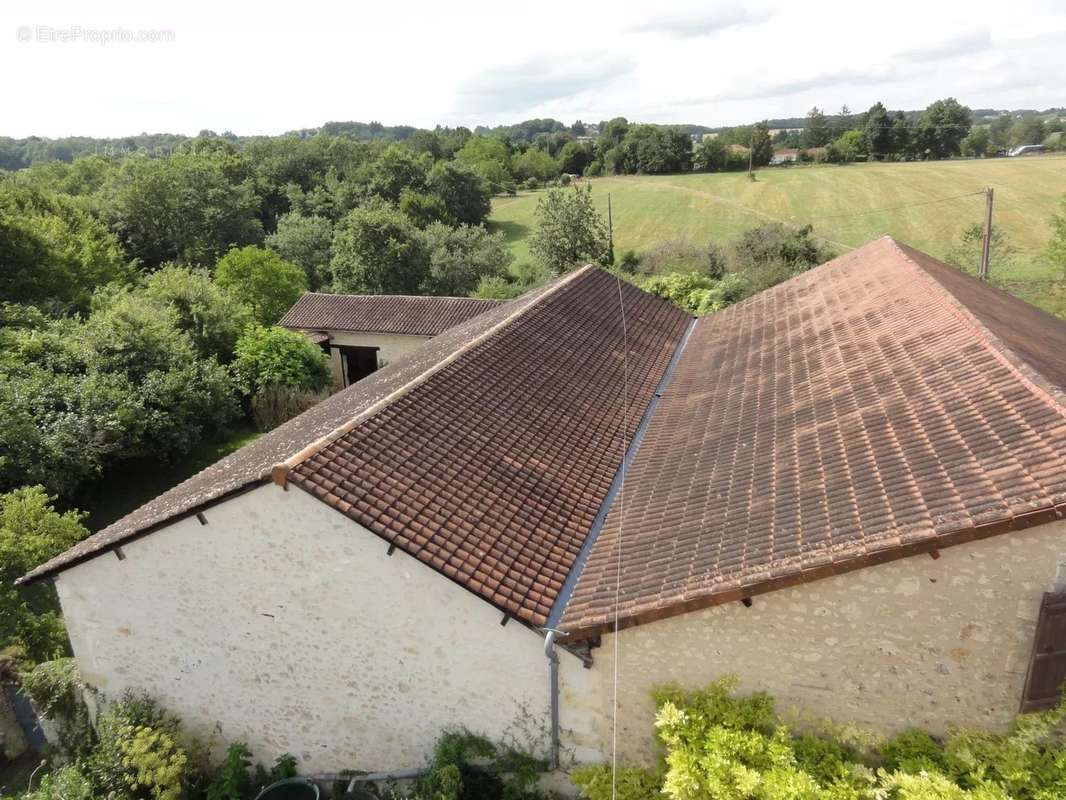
(721, 746)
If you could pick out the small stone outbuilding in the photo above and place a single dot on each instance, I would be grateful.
(363, 332)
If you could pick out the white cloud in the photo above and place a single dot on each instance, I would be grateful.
(700, 21)
(275, 67)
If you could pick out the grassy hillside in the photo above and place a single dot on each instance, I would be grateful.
(848, 206)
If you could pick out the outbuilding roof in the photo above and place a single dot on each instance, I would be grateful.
(879, 405)
(385, 313)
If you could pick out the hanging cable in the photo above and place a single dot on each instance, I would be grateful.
(618, 547)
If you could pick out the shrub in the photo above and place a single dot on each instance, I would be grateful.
(912, 751)
(726, 747)
(466, 766)
(629, 262)
(66, 783)
(497, 288)
(279, 357)
(631, 783)
(777, 243)
(697, 293)
(32, 532)
(272, 405)
(55, 688)
(154, 761)
(115, 762)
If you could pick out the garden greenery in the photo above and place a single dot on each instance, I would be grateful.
(136, 751)
(727, 747)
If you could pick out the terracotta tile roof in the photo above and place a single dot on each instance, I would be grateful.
(252, 464)
(485, 454)
(879, 405)
(386, 313)
(493, 469)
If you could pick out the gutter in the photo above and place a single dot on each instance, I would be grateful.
(561, 600)
(559, 606)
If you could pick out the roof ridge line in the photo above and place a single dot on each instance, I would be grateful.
(412, 296)
(993, 343)
(279, 473)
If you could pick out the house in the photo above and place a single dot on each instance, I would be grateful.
(363, 332)
(847, 490)
(786, 155)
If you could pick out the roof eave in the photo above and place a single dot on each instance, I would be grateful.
(732, 593)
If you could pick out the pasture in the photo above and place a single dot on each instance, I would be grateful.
(847, 205)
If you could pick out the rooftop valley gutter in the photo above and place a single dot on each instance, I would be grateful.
(559, 606)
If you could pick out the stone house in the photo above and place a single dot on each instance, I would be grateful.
(848, 490)
(362, 333)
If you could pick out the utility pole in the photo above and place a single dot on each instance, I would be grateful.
(751, 151)
(986, 245)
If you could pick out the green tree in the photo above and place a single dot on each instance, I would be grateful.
(653, 150)
(466, 195)
(490, 158)
(845, 148)
(942, 127)
(460, 258)
(190, 207)
(378, 250)
(31, 533)
(761, 146)
(262, 280)
(212, 317)
(977, 143)
(51, 252)
(535, 164)
(574, 157)
(396, 170)
(422, 208)
(304, 241)
(569, 230)
(272, 356)
(816, 129)
(710, 155)
(877, 137)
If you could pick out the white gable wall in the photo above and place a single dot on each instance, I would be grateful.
(391, 347)
(284, 624)
(924, 642)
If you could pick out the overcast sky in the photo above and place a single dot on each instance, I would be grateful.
(271, 67)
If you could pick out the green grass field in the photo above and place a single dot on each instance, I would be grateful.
(848, 206)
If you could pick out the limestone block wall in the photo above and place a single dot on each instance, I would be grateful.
(913, 642)
(283, 624)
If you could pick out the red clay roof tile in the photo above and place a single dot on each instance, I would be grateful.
(505, 457)
(880, 402)
(385, 313)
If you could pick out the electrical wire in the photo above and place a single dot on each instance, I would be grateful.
(618, 548)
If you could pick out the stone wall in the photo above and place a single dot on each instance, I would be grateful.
(284, 624)
(919, 641)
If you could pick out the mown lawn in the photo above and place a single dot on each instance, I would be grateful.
(848, 206)
(131, 484)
